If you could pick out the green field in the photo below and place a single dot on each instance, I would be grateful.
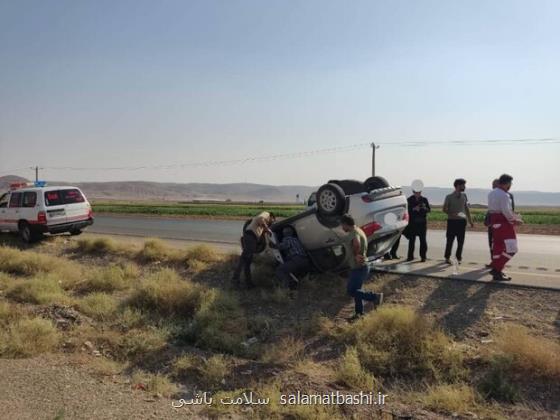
(531, 215)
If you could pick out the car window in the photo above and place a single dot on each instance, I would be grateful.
(59, 197)
(53, 198)
(72, 196)
(4, 200)
(15, 200)
(29, 199)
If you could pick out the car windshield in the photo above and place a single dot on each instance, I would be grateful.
(60, 197)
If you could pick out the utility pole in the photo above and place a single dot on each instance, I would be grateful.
(373, 147)
(36, 168)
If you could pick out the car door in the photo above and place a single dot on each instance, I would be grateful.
(4, 200)
(56, 210)
(77, 208)
(13, 211)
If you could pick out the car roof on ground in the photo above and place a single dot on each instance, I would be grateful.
(47, 188)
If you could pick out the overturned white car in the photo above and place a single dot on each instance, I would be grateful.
(379, 209)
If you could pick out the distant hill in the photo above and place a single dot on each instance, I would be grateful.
(161, 191)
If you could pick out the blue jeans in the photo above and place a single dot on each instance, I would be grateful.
(354, 288)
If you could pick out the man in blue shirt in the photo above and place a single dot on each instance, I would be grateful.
(296, 260)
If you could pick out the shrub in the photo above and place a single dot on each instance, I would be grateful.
(109, 279)
(351, 373)
(213, 371)
(157, 250)
(396, 341)
(457, 398)
(158, 384)
(202, 253)
(29, 337)
(100, 306)
(97, 245)
(165, 293)
(6, 311)
(130, 318)
(220, 323)
(497, 382)
(29, 263)
(43, 289)
(289, 349)
(536, 356)
(140, 343)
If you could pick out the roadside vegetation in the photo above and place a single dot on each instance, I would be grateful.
(167, 320)
(531, 215)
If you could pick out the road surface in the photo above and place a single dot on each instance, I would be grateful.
(537, 263)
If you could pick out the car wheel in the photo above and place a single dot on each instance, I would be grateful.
(25, 233)
(330, 200)
(76, 232)
(375, 183)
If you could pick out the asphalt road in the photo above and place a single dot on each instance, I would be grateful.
(537, 263)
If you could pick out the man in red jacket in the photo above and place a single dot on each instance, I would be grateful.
(502, 222)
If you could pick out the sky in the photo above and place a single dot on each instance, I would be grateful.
(115, 83)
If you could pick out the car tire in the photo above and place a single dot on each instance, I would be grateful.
(375, 183)
(76, 232)
(26, 233)
(261, 244)
(331, 200)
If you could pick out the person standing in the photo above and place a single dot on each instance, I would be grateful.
(495, 184)
(358, 268)
(418, 209)
(456, 206)
(392, 254)
(259, 226)
(502, 221)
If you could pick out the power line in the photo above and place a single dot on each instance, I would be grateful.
(310, 153)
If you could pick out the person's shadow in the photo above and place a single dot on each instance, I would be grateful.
(461, 307)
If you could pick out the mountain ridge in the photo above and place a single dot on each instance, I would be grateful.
(253, 192)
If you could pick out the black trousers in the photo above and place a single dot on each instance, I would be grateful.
(249, 247)
(418, 230)
(299, 265)
(395, 247)
(490, 240)
(455, 229)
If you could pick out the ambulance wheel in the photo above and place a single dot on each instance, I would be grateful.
(26, 233)
(330, 200)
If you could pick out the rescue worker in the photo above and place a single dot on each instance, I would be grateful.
(296, 261)
(502, 220)
(259, 226)
(418, 209)
(358, 268)
(456, 206)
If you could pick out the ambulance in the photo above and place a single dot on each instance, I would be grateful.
(33, 209)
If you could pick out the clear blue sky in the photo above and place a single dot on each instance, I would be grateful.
(125, 83)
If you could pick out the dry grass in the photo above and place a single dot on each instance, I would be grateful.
(351, 373)
(156, 250)
(28, 337)
(534, 356)
(166, 294)
(29, 263)
(109, 279)
(210, 372)
(202, 253)
(99, 306)
(220, 323)
(43, 289)
(157, 385)
(140, 343)
(396, 341)
(98, 246)
(457, 398)
(287, 350)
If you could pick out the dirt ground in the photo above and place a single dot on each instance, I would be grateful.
(64, 385)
